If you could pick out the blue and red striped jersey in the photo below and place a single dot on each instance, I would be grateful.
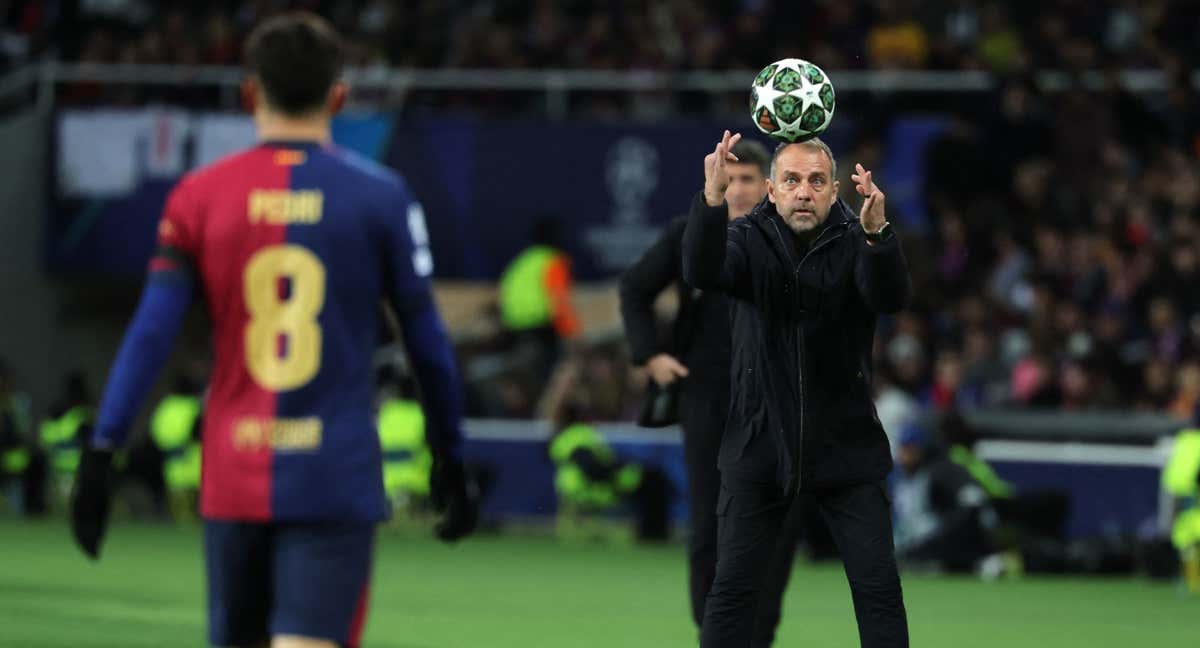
(293, 246)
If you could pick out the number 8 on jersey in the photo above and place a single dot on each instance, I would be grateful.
(284, 290)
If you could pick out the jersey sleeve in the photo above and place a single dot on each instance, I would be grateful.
(409, 265)
(159, 316)
(177, 245)
(408, 261)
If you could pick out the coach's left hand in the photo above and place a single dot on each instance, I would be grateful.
(90, 500)
(872, 215)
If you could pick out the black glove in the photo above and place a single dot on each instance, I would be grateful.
(455, 496)
(90, 499)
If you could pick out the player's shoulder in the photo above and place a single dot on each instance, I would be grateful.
(215, 175)
(370, 173)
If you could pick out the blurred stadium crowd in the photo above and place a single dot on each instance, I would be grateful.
(633, 34)
(1060, 262)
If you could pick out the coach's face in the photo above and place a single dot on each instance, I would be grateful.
(802, 188)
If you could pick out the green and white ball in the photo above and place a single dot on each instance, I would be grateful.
(792, 100)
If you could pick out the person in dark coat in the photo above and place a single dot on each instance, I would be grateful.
(807, 280)
(695, 361)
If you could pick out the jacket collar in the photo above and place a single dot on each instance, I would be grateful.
(765, 216)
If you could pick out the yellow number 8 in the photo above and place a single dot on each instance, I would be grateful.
(292, 319)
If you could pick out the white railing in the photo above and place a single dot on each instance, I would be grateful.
(554, 84)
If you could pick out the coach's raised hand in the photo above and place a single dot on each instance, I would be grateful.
(872, 215)
(716, 176)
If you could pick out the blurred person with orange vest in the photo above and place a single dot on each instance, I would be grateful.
(535, 297)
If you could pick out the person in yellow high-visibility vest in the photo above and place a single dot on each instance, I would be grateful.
(175, 428)
(1181, 478)
(590, 477)
(407, 459)
(62, 433)
(14, 445)
(535, 298)
(535, 288)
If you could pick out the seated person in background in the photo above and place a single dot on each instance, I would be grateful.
(588, 474)
(1032, 522)
(175, 428)
(960, 439)
(62, 433)
(941, 513)
(16, 467)
(407, 460)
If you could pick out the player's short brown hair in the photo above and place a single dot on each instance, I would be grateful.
(749, 151)
(297, 58)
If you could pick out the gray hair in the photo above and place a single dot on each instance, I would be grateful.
(814, 143)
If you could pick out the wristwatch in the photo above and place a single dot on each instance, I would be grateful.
(883, 234)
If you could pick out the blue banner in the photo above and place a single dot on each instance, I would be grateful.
(484, 183)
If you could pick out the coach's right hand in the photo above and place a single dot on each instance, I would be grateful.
(455, 496)
(665, 369)
(716, 176)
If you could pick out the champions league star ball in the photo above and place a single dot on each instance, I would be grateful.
(791, 100)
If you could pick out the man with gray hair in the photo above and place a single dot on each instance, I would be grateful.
(807, 279)
(696, 364)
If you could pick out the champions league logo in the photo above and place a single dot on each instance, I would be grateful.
(631, 172)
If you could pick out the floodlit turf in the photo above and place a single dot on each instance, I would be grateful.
(534, 592)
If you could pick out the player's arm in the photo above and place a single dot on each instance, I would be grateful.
(432, 357)
(144, 350)
(408, 265)
(640, 286)
(713, 257)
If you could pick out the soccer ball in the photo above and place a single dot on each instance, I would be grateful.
(791, 100)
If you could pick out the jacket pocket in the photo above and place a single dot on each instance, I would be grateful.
(724, 499)
(742, 433)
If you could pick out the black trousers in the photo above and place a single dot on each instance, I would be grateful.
(751, 517)
(704, 408)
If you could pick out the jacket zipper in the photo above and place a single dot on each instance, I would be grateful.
(818, 244)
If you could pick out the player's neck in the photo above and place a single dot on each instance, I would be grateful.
(273, 127)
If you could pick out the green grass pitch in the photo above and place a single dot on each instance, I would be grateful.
(533, 592)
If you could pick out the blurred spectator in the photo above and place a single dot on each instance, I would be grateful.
(407, 460)
(949, 389)
(590, 477)
(63, 433)
(896, 41)
(1187, 392)
(940, 510)
(535, 296)
(999, 46)
(20, 466)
